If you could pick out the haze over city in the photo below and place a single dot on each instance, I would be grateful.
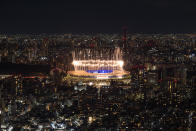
(141, 16)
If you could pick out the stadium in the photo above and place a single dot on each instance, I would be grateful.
(98, 63)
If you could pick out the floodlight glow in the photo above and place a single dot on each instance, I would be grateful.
(121, 63)
(75, 63)
(98, 65)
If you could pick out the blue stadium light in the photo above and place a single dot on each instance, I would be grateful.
(99, 71)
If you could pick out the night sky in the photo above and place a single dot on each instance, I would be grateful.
(69, 16)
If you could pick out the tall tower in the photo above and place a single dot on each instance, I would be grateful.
(125, 47)
(124, 38)
(45, 47)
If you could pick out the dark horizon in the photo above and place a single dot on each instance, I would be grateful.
(152, 16)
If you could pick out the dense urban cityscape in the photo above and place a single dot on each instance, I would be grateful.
(99, 82)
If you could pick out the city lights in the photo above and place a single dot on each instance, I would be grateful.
(101, 86)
